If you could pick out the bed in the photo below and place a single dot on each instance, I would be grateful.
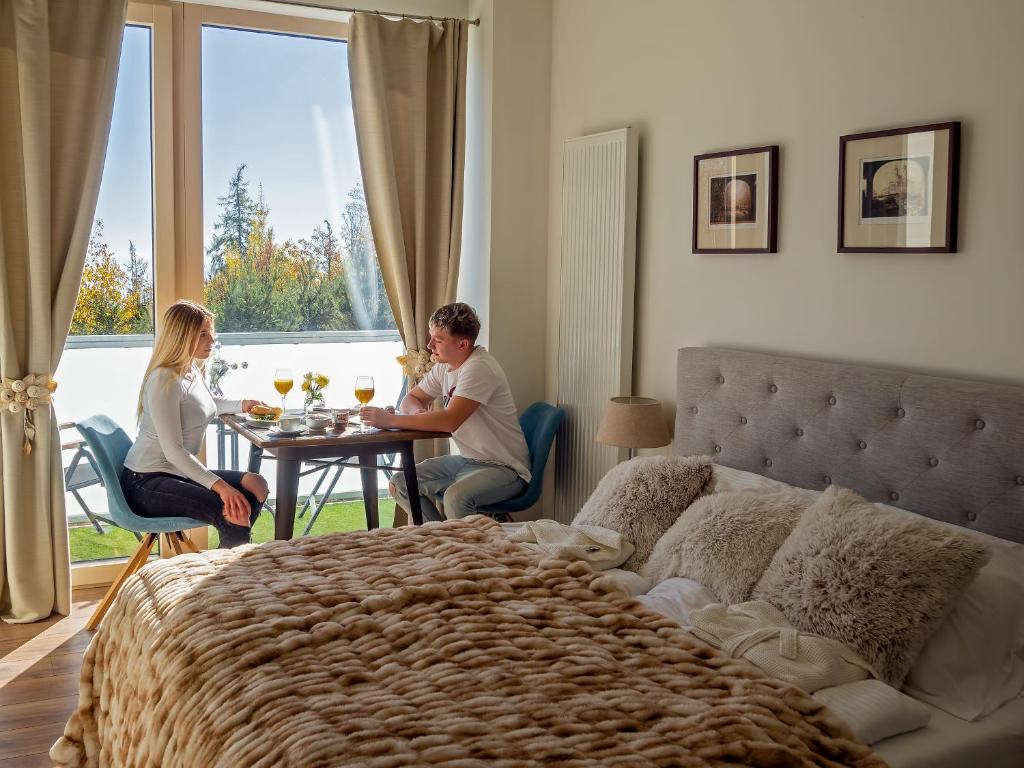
(948, 449)
(449, 645)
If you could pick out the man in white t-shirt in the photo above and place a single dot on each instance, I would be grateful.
(493, 462)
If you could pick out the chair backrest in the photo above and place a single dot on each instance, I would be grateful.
(539, 422)
(109, 445)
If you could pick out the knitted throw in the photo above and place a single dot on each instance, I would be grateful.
(441, 645)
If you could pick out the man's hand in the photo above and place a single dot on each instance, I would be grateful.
(376, 417)
(247, 405)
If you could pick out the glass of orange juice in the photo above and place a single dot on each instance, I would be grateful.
(364, 392)
(283, 383)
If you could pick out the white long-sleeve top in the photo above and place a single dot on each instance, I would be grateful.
(175, 414)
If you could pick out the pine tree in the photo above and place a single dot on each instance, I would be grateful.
(140, 296)
(237, 210)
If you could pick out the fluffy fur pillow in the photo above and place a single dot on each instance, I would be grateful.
(878, 582)
(641, 498)
(725, 541)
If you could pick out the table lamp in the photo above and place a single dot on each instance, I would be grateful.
(633, 422)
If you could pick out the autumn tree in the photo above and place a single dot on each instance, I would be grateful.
(112, 299)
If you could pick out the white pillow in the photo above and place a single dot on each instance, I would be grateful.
(974, 663)
(676, 597)
(731, 479)
(873, 710)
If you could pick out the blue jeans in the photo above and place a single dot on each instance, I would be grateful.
(465, 484)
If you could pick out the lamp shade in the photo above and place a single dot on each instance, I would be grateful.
(633, 422)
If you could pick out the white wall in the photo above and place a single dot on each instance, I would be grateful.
(708, 75)
(518, 189)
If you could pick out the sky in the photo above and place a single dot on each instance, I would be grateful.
(278, 103)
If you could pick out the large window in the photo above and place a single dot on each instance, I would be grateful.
(112, 328)
(243, 193)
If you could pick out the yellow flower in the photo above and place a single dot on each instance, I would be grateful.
(305, 386)
(321, 380)
(308, 376)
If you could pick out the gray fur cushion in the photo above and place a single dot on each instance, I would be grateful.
(726, 541)
(641, 498)
(878, 582)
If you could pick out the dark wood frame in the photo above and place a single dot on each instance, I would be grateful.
(773, 197)
(952, 187)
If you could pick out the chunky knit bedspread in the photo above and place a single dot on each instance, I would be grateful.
(443, 645)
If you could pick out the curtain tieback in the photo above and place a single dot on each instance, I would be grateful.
(415, 363)
(24, 396)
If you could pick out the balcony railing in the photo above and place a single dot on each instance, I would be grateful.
(240, 339)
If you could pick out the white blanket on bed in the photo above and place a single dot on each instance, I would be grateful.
(602, 548)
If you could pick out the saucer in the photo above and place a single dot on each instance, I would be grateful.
(277, 431)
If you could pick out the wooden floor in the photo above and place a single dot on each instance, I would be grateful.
(39, 667)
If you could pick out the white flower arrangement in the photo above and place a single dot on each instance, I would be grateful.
(23, 396)
(415, 363)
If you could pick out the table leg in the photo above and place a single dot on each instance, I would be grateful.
(234, 450)
(411, 484)
(287, 494)
(220, 444)
(369, 479)
(255, 459)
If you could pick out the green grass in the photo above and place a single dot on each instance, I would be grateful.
(86, 544)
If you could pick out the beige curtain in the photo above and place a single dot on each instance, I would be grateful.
(409, 99)
(58, 71)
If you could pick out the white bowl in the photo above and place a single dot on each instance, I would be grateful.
(318, 421)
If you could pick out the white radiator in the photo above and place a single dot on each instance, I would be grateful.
(595, 333)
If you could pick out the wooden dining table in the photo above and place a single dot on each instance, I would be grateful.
(364, 447)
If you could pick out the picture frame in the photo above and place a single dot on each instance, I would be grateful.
(736, 201)
(899, 190)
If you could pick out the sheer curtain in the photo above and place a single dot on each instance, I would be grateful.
(409, 99)
(58, 72)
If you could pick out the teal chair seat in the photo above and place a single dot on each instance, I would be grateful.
(539, 423)
(109, 445)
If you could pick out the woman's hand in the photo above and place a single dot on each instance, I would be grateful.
(236, 507)
(247, 405)
(376, 417)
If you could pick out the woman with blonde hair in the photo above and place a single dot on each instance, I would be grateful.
(162, 476)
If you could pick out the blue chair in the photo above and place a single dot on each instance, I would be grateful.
(109, 445)
(539, 423)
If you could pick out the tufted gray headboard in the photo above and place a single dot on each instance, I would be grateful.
(948, 449)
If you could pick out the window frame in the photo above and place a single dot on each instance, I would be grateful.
(177, 166)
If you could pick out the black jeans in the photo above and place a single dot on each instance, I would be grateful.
(159, 494)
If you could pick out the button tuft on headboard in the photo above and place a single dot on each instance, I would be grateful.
(972, 516)
(832, 400)
(933, 462)
(900, 412)
(979, 424)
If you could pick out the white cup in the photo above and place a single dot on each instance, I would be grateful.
(290, 422)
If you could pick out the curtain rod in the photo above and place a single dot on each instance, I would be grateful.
(321, 7)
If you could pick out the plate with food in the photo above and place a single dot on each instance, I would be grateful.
(263, 415)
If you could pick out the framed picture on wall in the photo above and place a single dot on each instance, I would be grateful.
(736, 201)
(898, 190)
